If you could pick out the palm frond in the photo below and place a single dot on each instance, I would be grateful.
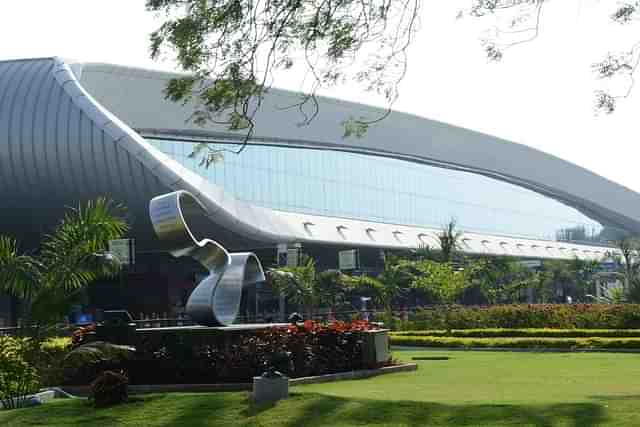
(74, 253)
(19, 274)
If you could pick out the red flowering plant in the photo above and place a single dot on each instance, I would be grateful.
(317, 349)
(83, 335)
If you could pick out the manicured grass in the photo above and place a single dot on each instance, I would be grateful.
(505, 377)
(469, 389)
(231, 409)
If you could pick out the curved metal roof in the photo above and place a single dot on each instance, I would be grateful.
(66, 134)
(400, 135)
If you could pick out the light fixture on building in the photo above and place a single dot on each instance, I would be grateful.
(306, 226)
(369, 232)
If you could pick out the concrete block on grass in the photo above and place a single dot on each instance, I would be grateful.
(270, 389)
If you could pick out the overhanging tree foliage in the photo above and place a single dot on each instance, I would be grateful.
(232, 48)
(514, 22)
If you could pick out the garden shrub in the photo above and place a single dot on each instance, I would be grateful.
(84, 363)
(519, 343)
(563, 316)
(18, 378)
(48, 360)
(531, 333)
(109, 388)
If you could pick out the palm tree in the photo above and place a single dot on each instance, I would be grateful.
(449, 239)
(393, 282)
(19, 274)
(309, 288)
(69, 259)
(630, 250)
(298, 284)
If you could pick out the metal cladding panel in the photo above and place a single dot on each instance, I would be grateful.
(40, 128)
(58, 147)
(52, 154)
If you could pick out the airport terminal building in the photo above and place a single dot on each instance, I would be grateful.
(73, 131)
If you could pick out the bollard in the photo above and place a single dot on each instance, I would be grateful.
(270, 387)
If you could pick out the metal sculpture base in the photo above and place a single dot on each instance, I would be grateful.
(216, 299)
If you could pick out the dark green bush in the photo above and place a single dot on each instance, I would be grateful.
(110, 388)
(563, 316)
(84, 363)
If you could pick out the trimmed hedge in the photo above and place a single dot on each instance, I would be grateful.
(524, 333)
(516, 316)
(530, 343)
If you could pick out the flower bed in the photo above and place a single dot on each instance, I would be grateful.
(303, 350)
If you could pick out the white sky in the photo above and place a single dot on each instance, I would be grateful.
(541, 94)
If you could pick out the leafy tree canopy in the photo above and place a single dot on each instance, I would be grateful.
(441, 280)
(233, 48)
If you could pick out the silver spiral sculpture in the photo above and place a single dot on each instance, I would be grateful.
(216, 299)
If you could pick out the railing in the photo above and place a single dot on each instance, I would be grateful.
(8, 331)
(162, 322)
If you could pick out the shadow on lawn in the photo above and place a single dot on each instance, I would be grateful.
(306, 409)
(327, 410)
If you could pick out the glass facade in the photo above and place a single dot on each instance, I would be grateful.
(379, 189)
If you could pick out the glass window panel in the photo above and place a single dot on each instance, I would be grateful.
(367, 187)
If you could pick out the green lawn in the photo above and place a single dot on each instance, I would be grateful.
(470, 389)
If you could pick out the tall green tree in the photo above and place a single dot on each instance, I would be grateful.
(69, 259)
(439, 279)
(333, 289)
(499, 279)
(629, 258)
(449, 238)
(392, 283)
